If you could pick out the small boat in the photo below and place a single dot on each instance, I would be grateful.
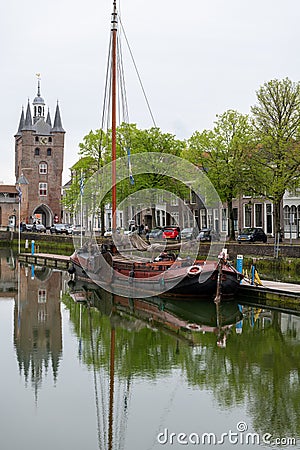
(161, 274)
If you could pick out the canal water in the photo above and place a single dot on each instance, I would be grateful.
(116, 373)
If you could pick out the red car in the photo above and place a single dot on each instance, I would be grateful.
(172, 233)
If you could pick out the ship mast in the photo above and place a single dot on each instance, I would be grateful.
(114, 29)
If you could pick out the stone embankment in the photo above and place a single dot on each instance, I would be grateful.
(286, 250)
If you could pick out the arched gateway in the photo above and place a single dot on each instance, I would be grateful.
(44, 214)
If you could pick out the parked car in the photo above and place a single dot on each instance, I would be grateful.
(171, 233)
(188, 234)
(155, 234)
(39, 228)
(252, 235)
(60, 228)
(26, 227)
(78, 229)
(204, 235)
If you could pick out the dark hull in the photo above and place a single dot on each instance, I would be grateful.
(150, 279)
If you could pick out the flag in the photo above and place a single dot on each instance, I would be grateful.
(19, 193)
(129, 167)
(81, 184)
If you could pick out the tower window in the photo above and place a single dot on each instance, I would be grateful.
(50, 139)
(49, 151)
(43, 168)
(43, 189)
(36, 139)
(36, 151)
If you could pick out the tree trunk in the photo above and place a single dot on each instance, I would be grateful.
(153, 212)
(277, 221)
(231, 232)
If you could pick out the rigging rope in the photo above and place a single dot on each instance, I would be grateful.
(138, 75)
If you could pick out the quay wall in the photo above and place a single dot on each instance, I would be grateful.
(48, 241)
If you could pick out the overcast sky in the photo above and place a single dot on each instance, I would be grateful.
(196, 59)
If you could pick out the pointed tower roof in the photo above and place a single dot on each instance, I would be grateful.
(38, 99)
(57, 127)
(48, 120)
(28, 119)
(21, 123)
(22, 179)
(38, 104)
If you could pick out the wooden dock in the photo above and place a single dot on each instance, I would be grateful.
(45, 259)
(271, 294)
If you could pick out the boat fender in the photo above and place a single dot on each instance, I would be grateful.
(193, 327)
(194, 270)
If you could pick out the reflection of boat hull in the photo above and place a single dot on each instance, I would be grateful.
(174, 315)
(181, 314)
(163, 278)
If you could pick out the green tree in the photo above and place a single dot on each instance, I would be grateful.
(84, 166)
(276, 118)
(97, 144)
(223, 153)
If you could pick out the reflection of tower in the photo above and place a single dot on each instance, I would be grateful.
(37, 324)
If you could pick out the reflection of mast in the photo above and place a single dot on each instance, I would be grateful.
(95, 379)
(111, 388)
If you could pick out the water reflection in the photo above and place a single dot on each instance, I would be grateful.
(260, 367)
(37, 323)
(125, 344)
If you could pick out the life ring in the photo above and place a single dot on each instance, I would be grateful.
(194, 270)
(193, 327)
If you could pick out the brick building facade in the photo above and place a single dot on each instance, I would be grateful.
(39, 153)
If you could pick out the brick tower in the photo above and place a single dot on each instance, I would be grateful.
(39, 154)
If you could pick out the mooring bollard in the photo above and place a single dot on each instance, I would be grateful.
(253, 269)
(32, 247)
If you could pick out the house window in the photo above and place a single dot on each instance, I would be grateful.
(209, 218)
(43, 168)
(235, 218)
(193, 197)
(286, 215)
(247, 215)
(269, 218)
(224, 219)
(43, 189)
(36, 151)
(203, 218)
(49, 151)
(196, 217)
(258, 215)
